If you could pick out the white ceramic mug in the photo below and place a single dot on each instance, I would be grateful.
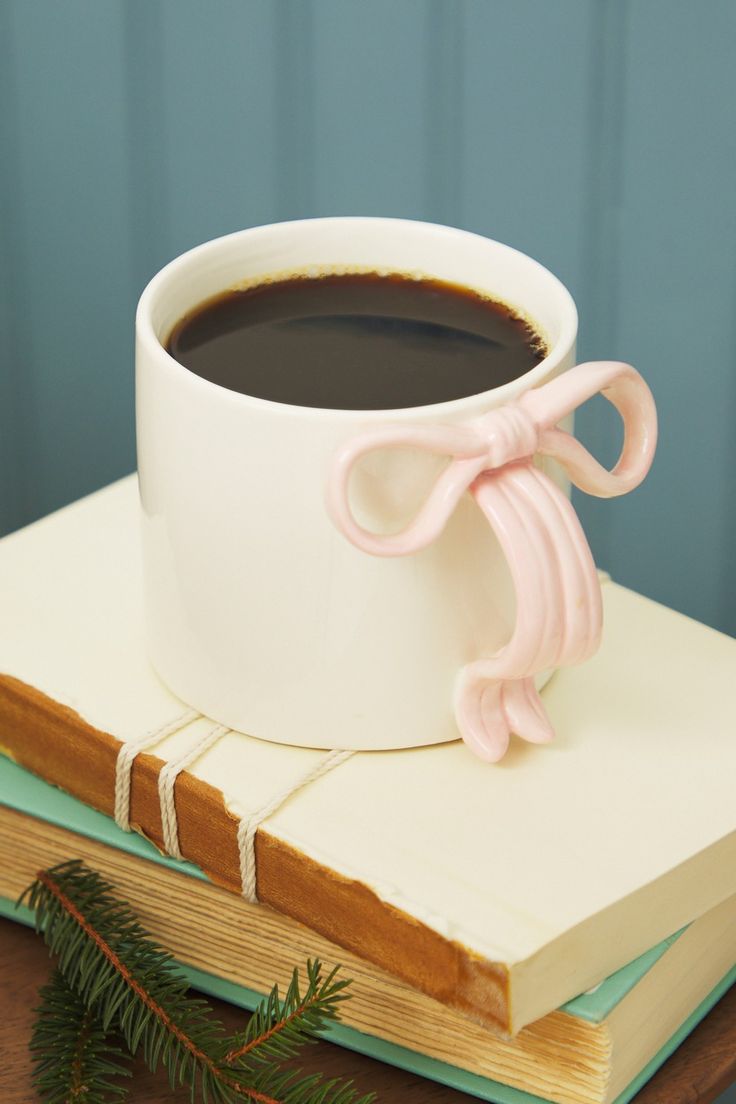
(265, 609)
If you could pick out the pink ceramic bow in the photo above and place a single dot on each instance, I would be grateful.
(558, 618)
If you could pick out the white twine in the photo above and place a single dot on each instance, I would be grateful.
(166, 781)
(169, 773)
(250, 823)
(127, 755)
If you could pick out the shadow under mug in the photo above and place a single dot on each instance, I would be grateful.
(378, 579)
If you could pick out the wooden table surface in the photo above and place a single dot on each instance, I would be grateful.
(703, 1067)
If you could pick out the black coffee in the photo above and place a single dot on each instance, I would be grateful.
(356, 342)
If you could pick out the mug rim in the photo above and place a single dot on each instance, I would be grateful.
(546, 368)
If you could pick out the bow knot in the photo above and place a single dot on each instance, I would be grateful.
(510, 433)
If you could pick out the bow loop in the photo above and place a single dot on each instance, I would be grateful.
(465, 446)
(625, 389)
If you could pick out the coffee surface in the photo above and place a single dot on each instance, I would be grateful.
(356, 342)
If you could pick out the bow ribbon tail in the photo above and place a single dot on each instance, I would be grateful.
(558, 608)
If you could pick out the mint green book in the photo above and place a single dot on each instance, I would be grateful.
(602, 1046)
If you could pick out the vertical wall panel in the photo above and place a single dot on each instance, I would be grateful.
(146, 152)
(220, 81)
(71, 295)
(13, 379)
(597, 289)
(676, 291)
(601, 129)
(294, 77)
(525, 107)
(446, 118)
(369, 107)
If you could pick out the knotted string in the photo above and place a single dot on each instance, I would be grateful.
(559, 614)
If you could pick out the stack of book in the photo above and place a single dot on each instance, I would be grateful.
(472, 904)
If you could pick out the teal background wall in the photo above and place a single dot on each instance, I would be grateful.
(597, 135)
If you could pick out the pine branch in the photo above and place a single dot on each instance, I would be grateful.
(277, 1031)
(74, 1058)
(120, 974)
(130, 983)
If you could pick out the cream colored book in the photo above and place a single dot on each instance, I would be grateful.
(597, 1049)
(502, 891)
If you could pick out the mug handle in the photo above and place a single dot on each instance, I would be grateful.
(558, 598)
